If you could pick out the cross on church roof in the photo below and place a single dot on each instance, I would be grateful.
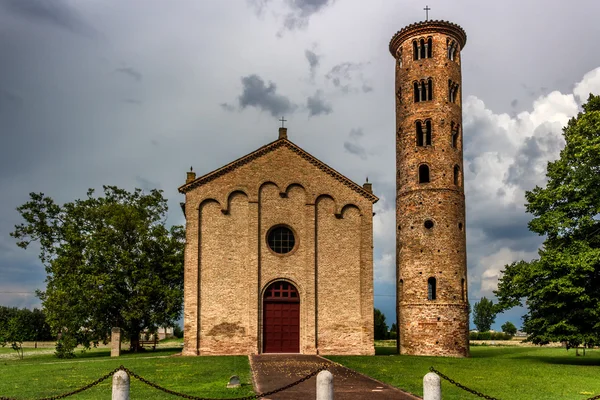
(283, 121)
(427, 12)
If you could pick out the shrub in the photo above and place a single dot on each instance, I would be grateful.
(489, 336)
(177, 332)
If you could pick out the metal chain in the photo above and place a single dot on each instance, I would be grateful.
(252, 397)
(463, 387)
(81, 389)
(476, 393)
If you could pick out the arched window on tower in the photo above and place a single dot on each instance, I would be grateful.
(423, 91)
(399, 57)
(451, 46)
(429, 89)
(419, 134)
(429, 46)
(415, 50)
(455, 133)
(428, 133)
(417, 90)
(431, 288)
(452, 91)
(423, 52)
(423, 173)
(401, 289)
(456, 175)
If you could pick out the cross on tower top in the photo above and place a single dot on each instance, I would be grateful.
(282, 121)
(427, 12)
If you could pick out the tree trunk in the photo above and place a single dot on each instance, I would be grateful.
(134, 341)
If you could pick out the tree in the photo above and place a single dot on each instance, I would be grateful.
(20, 325)
(561, 289)
(509, 328)
(484, 314)
(381, 328)
(110, 262)
(393, 331)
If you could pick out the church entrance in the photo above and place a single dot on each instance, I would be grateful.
(281, 318)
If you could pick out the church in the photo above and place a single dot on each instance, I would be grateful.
(278, 257)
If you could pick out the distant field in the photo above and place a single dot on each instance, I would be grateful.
(41, 374)
(504, 372)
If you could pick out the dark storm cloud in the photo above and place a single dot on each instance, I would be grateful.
(301, 12)
(343, 75)
(530, 161)
(317, 105)
(353, 146)
(356, 133)
(55, 12)
(356, 149)
(227, 107)
(313, 61)
(130, 72)
(366, 88)
(482, 135)
(257, 94)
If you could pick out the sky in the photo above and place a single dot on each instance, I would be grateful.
(107, 92)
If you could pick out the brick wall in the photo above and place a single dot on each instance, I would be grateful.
(430, 326)
(227, 222)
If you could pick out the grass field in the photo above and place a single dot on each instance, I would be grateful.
(504, 372)
(523, 373)
(40, 374)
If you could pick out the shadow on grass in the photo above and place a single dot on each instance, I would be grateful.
(385, 351)
(571, 360)
(102, 353)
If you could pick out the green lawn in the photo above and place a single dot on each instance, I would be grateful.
(523, 373)
(42, 375)
(505, 372)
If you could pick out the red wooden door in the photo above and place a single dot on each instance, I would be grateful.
(281, 319)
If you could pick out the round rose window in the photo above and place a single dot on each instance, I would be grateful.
(281, 239)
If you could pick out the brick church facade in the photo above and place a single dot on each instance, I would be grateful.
(278, 257)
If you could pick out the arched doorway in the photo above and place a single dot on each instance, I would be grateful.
(281, 318)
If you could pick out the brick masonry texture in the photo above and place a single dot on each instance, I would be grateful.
(228, 264)
(430, 327)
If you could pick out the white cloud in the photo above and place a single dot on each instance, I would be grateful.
(504, 157)
(589, 84)
(493, 264)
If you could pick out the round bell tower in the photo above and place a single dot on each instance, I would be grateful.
(431, 263)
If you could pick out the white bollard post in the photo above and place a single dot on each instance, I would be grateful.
(120, 386)
(324, 386)
(432, 387)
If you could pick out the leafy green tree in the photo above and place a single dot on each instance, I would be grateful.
(561, 289)
(110, 262)
(381, 328)
(10, 332)
(20, 325)
(484, 314)
(509, 328)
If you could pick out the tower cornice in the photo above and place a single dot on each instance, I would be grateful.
(424, 27)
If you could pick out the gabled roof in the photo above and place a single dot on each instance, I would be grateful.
(267, 149)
